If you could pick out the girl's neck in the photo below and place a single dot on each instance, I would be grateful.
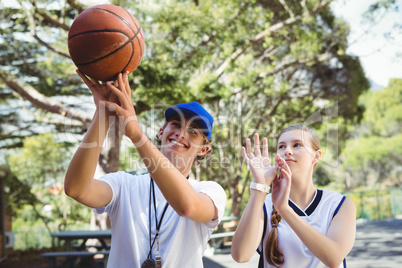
(302, 192)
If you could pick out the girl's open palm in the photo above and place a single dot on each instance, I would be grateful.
(281, 185)
(259, 164)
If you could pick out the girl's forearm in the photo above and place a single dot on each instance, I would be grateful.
(324, 248)
(249, 231)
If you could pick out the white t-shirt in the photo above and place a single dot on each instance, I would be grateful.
(182, 241)
(319, 214)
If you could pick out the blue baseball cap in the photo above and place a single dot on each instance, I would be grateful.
(195, 110)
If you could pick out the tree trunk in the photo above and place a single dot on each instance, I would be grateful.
(235, 210)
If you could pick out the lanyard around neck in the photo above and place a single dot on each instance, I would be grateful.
(157, 224)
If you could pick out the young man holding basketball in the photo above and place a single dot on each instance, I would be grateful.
(162, 216)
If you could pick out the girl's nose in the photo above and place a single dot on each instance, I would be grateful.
(288, 151)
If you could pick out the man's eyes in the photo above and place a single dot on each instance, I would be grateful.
(192, 131)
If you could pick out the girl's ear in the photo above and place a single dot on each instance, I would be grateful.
(317, 156)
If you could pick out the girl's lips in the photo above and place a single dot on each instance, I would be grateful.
(289, 160)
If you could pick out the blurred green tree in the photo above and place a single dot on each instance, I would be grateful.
(372, 156)
(40, 167)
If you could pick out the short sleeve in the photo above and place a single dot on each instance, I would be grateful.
(217, 195)
(115, 181)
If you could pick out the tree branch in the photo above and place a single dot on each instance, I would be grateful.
(33, 33)
(320, 6)
(76, 5)
(303, 4)
(48, 18)
(21, 53)
(274, 28)
(284, 65)
(207, 39)
(233, 57)
(39, 100)
(287, 8)
(252, 41)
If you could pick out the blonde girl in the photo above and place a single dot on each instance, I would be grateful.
(296, 225)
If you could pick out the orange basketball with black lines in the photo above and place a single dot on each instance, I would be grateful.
(105, 40)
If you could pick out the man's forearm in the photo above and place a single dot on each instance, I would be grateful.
(83, 164)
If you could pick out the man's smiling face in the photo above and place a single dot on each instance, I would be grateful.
(181, 141)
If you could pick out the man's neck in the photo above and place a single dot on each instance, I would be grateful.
(183, 165)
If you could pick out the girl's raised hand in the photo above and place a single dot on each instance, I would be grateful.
(281, 184)
(259, 164)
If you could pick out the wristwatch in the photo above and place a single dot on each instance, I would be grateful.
(260, 187)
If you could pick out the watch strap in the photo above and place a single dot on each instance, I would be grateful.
(260, 187)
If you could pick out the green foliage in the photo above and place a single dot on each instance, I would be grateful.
(15, 192)
(30, 232)
(36, 180)
(322, 178)
(25, 237)
(367, 151)
(376, 154)
(41, 161)
(384, 109)
(373, 155)
(374, 204)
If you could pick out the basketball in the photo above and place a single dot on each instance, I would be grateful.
(105, 40)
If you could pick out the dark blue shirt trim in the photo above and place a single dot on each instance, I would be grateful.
(310, 209)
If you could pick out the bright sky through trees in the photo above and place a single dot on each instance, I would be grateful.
(381, 57)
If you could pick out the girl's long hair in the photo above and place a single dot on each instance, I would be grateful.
(272, 253)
